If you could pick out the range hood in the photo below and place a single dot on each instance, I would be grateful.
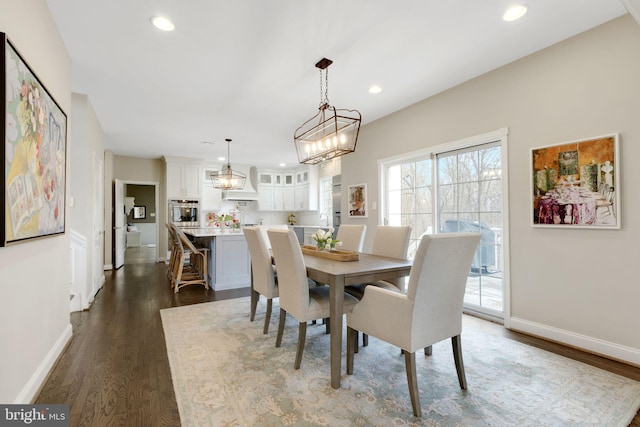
(249, 192)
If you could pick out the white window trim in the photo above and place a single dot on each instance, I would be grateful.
(497, 135)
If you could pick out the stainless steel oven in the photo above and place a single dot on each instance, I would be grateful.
(184, 213)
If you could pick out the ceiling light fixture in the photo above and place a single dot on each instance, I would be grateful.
(514, 13)
(331, 132)
(162, 23)
(374, 90)
(226, 178)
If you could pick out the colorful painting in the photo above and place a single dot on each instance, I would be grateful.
(358, 201)
(577, 184)
(33, 163)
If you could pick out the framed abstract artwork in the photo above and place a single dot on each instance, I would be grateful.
(576, 184)
(357, 201)
(33, 161)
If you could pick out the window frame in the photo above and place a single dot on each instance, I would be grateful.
(500, 136)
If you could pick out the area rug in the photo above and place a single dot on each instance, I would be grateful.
(227, 373)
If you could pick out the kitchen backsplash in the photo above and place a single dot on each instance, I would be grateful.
(248, 213)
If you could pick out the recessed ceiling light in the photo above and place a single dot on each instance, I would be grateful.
(283, 165)
(375, 89)
(514, 13)
(222, 159)
(162, 23)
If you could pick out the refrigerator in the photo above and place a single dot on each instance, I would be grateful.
(336, 200)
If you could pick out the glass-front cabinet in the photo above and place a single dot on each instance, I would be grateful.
(292, 190)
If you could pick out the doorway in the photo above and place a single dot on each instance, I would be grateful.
(136, 230)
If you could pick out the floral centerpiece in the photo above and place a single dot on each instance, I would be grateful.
(325, 241)
(291, 218)
(222, 220)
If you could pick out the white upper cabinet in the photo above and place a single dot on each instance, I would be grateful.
(211, 197)
(183, 179)
(291, 190)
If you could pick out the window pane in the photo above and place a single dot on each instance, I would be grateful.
(408, 201)
(447, 200)
(490, 196)
(468, 167)
(408, 175)
(423, 173)
(393, 178)
(395, 202)
(424, 200)
(468, 197)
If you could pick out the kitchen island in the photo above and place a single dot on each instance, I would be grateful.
(229, 261)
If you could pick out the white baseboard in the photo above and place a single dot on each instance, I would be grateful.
(107, 267)
(608, 349)
(30, 391)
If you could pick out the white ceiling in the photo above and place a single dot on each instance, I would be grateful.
(244, 69)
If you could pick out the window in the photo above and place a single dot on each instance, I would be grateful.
(455, 187)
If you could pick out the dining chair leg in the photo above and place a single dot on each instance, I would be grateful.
(327, 326)
(365, 340)
(255, 296)
(352, 347)
(412, 381)
(283, 318)
(302, 335)
(457, 356)
(428, 351)
(267, 316)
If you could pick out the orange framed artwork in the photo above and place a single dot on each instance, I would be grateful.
(576, 184)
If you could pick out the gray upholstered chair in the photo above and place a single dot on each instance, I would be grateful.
(351, 236)
(296, 298)
(393, 242)
(429, 312)
(263, 229)
(263, 274)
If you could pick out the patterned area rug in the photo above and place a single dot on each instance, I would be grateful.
(227, 373)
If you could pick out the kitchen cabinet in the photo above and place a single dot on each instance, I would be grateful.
(228, 259)
(183, 180)
(266, 197)
(232, 264)
(306, 189)
(293, 190)
(211, 200)
(276, 191)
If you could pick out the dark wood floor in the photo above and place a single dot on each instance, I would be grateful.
(115, 371)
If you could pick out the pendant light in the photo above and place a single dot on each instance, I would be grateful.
(331, 132)
(226, 178)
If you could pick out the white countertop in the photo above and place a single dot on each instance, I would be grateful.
(213, 232)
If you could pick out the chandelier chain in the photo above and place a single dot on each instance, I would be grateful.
(324, 98)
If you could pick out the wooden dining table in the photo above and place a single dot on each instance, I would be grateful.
(337, 275)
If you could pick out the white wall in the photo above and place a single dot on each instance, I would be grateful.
(576, 286)
(87, 130)
(35, 275)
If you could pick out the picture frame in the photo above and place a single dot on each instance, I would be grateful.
(33, 161)
(357, 201)
(139, 212)
(576, 184)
